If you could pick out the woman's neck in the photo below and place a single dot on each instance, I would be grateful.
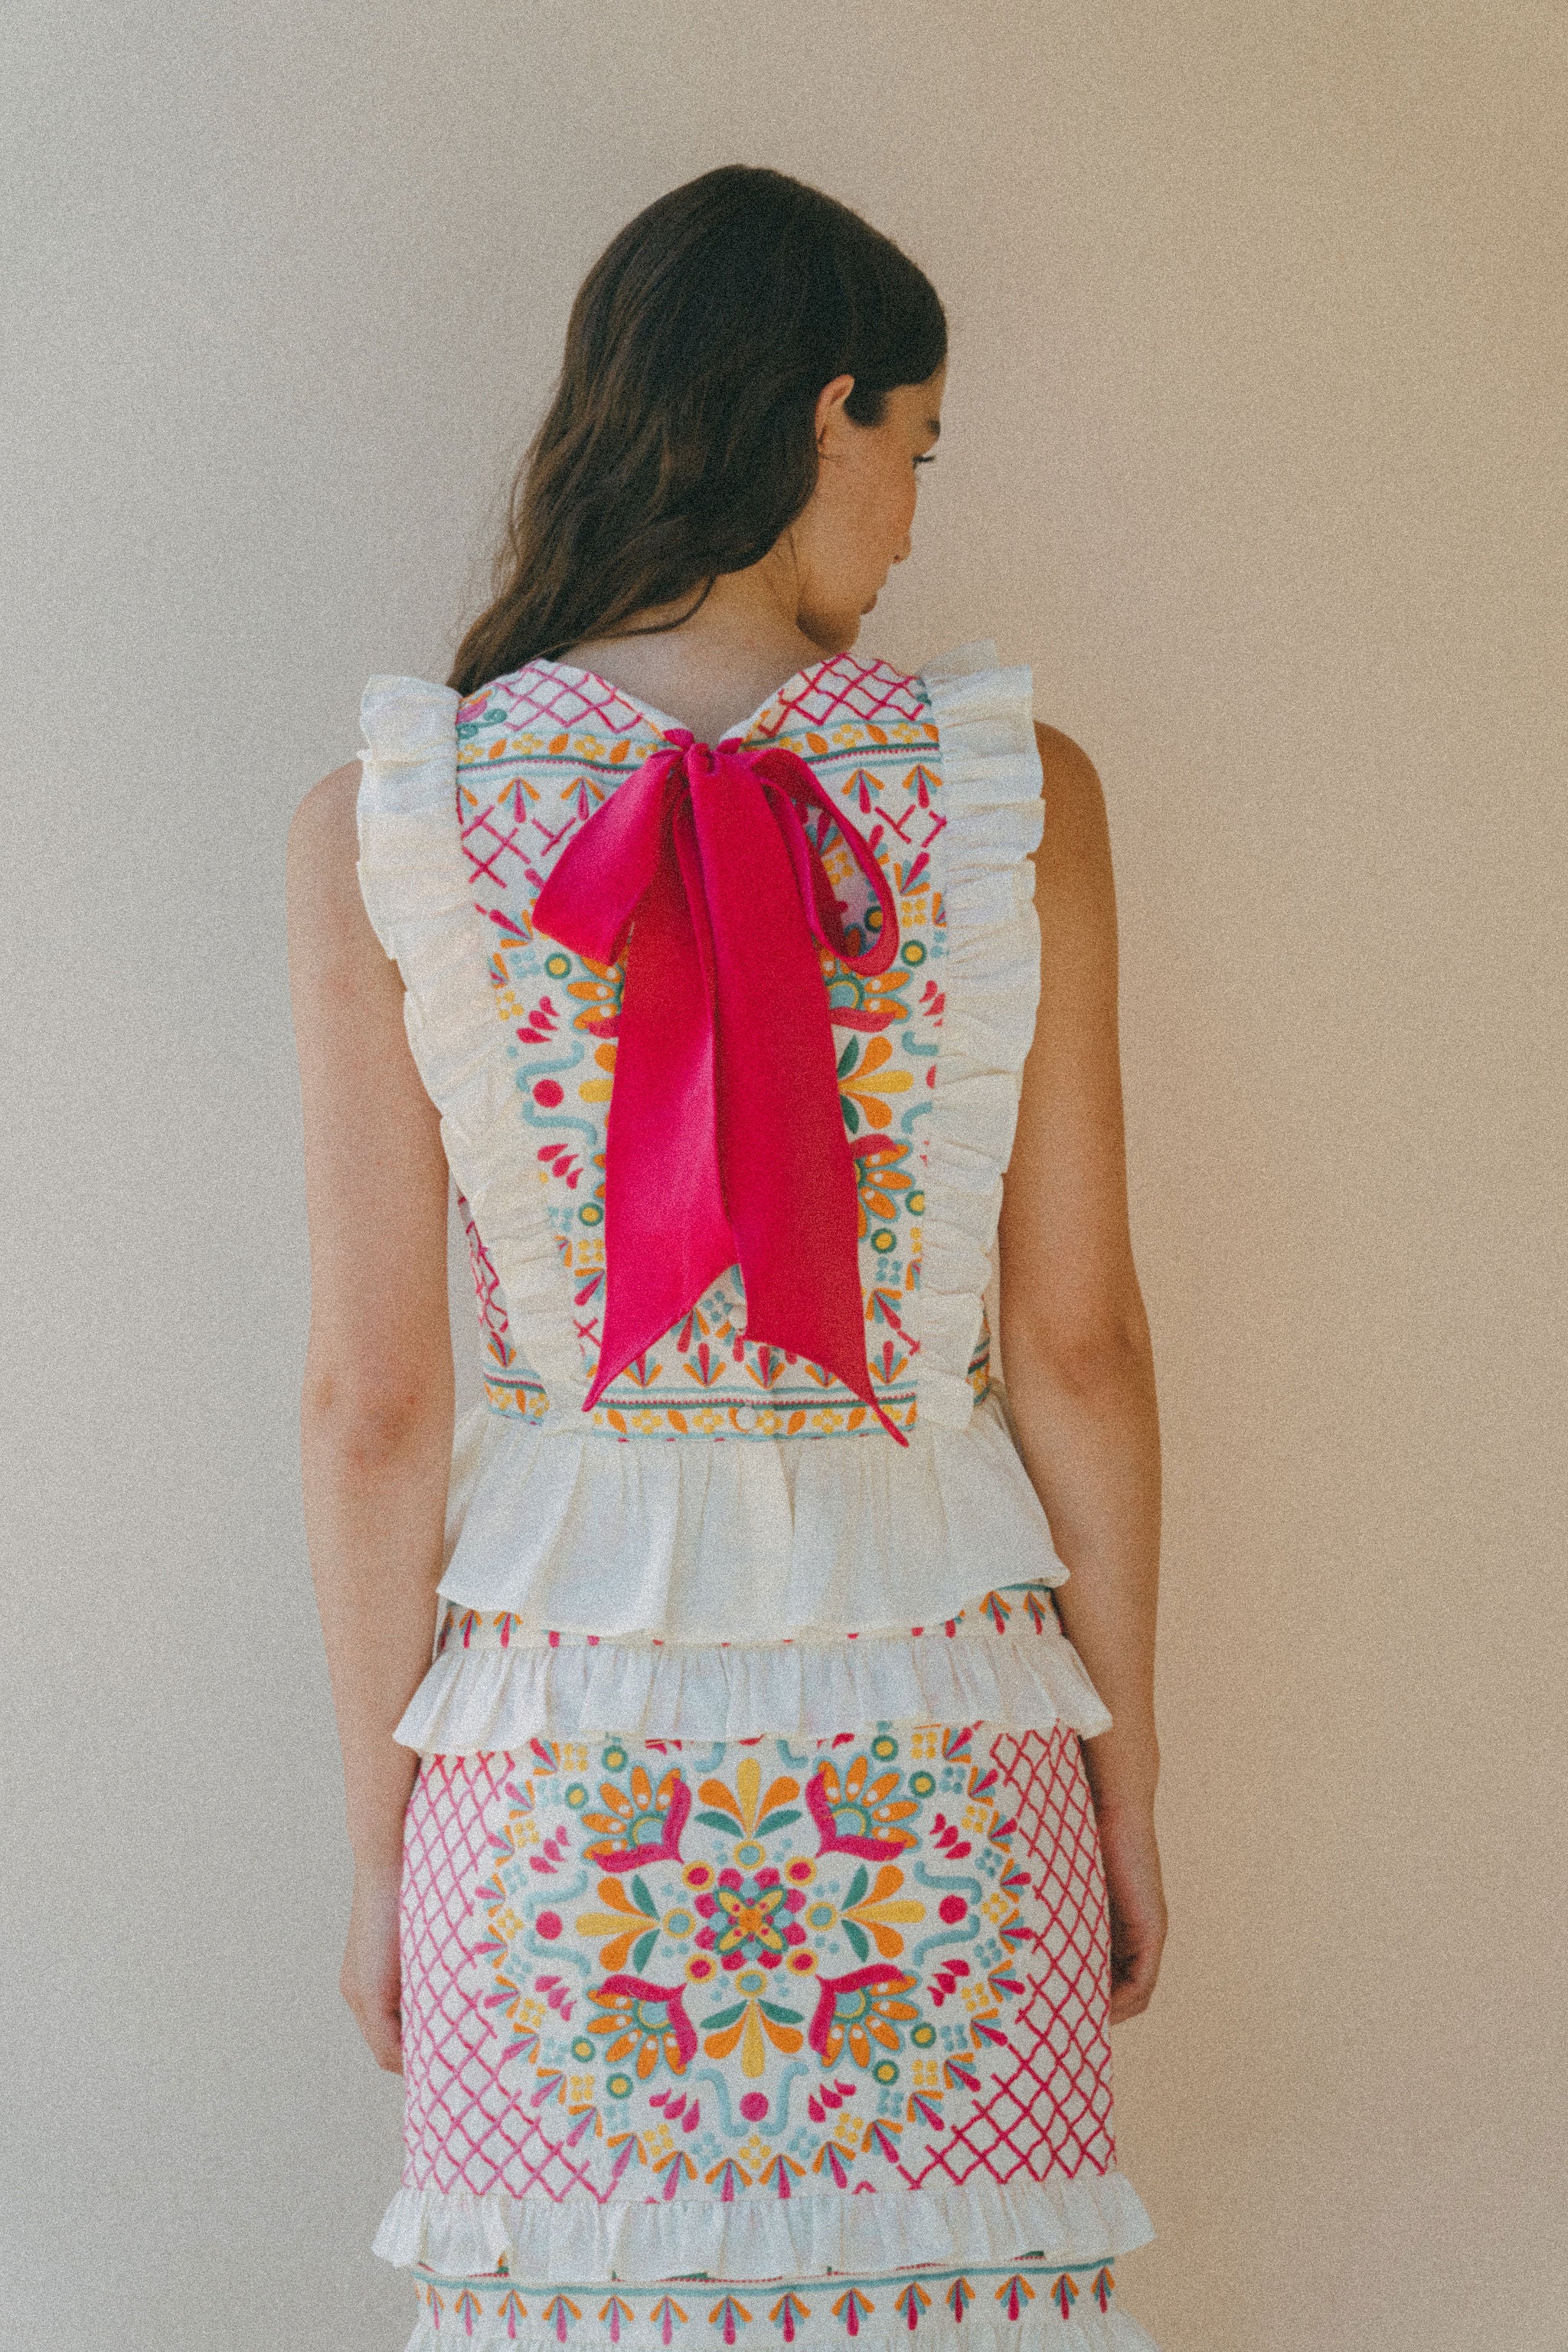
(712, 671)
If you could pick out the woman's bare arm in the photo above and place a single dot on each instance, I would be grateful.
(376, 1413)
(1075, 1344)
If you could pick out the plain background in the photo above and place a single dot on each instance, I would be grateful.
(1254, 450)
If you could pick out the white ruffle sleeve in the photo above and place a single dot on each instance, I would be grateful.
(991, 784)
(418, 893)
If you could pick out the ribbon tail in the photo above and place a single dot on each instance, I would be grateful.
(788, 1177)
(667, 1237)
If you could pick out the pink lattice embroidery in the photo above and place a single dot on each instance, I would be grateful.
(1048, 2103)
(509, 1386)
(847, 693)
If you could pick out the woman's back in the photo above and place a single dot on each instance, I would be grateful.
(754, 1932)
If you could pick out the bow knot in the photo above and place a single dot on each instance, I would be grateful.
(725, 1143)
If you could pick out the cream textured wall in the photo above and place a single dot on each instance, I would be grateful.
(1255, 450)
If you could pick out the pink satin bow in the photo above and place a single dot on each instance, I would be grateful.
(726, 1141)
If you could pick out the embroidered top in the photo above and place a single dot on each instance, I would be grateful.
(702, 880)
(721, 1489)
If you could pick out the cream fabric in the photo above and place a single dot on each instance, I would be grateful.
(1092, 2215)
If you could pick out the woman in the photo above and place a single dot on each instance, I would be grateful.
(747, 1831)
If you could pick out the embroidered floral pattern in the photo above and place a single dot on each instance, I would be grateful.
(818, 1940)
(641, 1824)
(857, 1815)
(537, 753)
(470, 1629)
(497, 2309)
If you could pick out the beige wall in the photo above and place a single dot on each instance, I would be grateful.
(1254, 451)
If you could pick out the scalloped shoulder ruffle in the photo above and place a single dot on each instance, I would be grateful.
(418, 897)
(992, 795)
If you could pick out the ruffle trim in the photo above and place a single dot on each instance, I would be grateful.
(459, 2234)
(991, 784)
(479, 1701)
(415, 886)
(1084, 2329)
(575, 1531)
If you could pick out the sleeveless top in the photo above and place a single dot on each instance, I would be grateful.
(688, 1556)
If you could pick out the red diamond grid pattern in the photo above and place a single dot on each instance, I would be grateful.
(540, 695)
(505, 839)
(1046, 2103)
(836, 691)
(848, 690)
(461, 2127)
(487, 1292)
(492, 832)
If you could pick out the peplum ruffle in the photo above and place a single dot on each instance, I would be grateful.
(575, 1531)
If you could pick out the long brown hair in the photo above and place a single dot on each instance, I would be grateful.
(680, 442)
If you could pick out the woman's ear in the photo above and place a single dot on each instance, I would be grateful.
(830, 403)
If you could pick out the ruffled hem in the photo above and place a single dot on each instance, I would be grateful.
(418, 897)
(479, 1701)
(1084, 2219)
(575, 1531)
(991, 783)
(1083, 2330)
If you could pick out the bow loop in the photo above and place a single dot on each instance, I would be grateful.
(792, 782)
(725, 1142)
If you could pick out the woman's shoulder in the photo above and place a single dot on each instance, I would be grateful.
(1075, 891)
(1064, 762)
(323, 841)
(326, 814)
(1074, 795)
(322, 851)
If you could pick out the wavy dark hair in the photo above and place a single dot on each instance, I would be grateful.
(680, 442)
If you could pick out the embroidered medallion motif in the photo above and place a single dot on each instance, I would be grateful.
(754, 1963)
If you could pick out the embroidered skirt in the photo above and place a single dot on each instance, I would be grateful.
(774, 2039)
